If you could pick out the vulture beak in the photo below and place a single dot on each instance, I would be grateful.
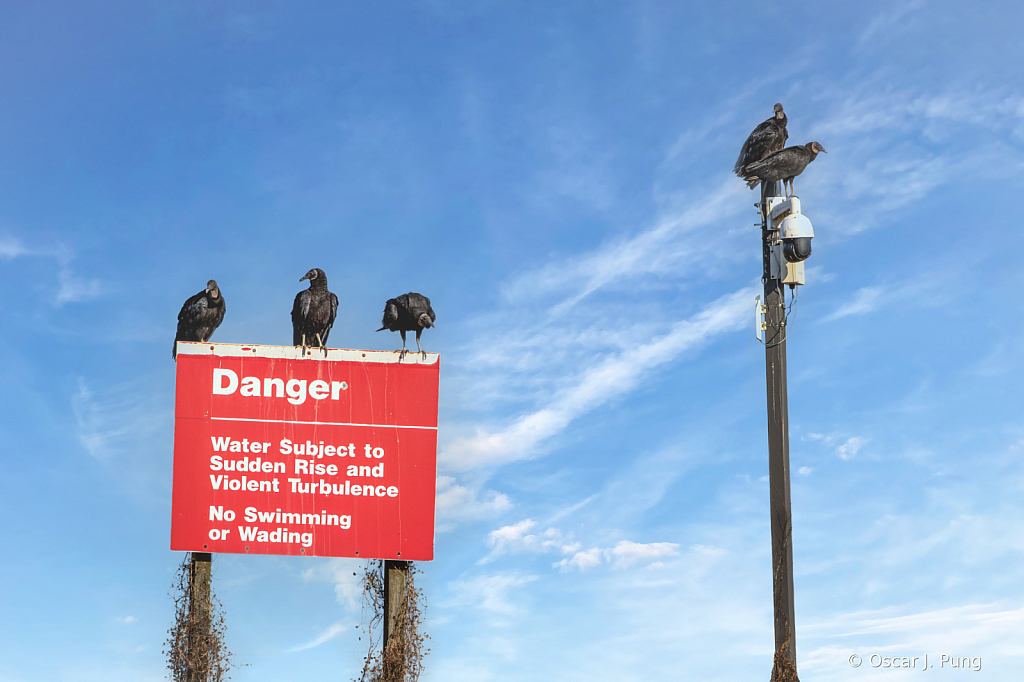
(304, 277)
(382, 329)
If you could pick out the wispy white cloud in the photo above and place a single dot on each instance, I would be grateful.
(455, 503)
(491, 592)
(851, 447)
(674, 242)
(345, 574)
(118, 426)
(886, 20)
(616, 375)
(516, 538)
(74, 289)
(864, 302)
(624, 554)
(845, 448)
(325, 636)
(977, 631)
(11, 247)
(582, 560)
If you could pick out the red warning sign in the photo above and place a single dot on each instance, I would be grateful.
(280, 452)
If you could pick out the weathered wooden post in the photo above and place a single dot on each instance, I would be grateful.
(778, 443)
(396, 574)
(200, 575)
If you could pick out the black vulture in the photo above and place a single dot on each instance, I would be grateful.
(200, 316)
(768, 137)
(407, 313)
(784, 165)
(314, 312)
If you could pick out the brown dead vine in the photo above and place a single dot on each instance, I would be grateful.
(401, 660)
(784, 668)
(195, 648)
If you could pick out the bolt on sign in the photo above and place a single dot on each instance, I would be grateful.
(281, 452)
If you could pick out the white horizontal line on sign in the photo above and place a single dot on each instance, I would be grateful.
(288, 421)
(237, 350)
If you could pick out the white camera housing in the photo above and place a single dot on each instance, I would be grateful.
(795, 230)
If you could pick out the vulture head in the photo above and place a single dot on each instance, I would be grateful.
(779, 114)
(315, 276)
(815, 148)
(212, 289)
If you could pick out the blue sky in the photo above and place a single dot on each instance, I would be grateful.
(556, 177)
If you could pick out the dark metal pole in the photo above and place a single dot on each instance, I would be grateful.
(778, 442)
(199, 599)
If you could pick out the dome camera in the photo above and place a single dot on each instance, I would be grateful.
(796, 234)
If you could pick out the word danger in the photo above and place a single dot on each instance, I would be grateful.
(225, 382)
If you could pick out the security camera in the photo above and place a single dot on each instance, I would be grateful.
(796, 233)
(794, 228)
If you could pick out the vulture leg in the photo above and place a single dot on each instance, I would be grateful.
(321, 344)
(402, 332)
(421, 351)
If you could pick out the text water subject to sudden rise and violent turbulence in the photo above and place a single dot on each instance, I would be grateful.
(298, 468)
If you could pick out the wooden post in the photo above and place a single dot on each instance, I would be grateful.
(199, 599)
(778, 441)
(394, 597)
(395, 575)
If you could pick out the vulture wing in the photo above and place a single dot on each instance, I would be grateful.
(390, 315)
(300, 313)
(766, 138)
(330, 320)
(193, 309)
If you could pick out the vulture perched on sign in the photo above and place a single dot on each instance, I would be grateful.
(314, 312)
(768, 137)
(784, 165)
(406, 313)
(200, 316)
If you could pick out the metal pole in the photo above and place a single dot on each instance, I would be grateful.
(395, 574)
(778, 441)
(199, 632)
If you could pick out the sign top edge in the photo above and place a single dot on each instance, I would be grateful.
(251, 350)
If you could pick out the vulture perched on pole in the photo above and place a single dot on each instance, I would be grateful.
(768, 137)
(313, 312)
(784, 165)
(406, 313)
(200, 316)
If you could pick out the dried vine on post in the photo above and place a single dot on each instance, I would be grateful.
(195, 646)
(784, 668)
(401, 659)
